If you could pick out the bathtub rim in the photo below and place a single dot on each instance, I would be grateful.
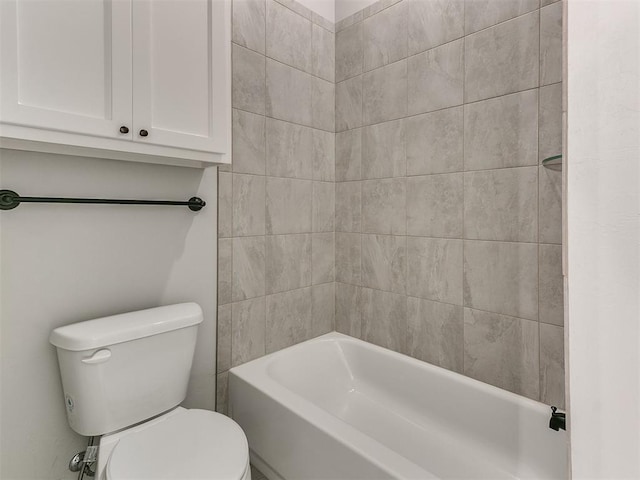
(250, 368)
(256, 375)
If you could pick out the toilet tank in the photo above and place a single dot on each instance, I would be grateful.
(120, 370)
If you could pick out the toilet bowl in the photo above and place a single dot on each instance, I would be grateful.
(182, 444)
(123, 378)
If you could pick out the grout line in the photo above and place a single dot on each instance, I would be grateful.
(406, 202)
(266, 56)
(464, 98)
(459, 105)
(462, 306)
(265, 182)
(310, 20)
(540, 386)
(503, 21)
(361, 220)
(431, 237)
(282, 120)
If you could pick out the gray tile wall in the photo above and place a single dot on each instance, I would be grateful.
(276, 248)
(387, 182)
(448, 230)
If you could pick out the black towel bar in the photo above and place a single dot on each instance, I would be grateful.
(10, 199)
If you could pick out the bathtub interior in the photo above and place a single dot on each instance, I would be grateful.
(448, 424)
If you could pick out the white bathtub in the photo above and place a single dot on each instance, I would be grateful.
(339, 408)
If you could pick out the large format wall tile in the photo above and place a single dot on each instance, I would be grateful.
(349, 52)
(248, 205)
(288, 36)
(223, 352)
(348, 206)
(367, 134)
(249, 24)
(433, 22)
(434, 142)
(502, 351)
(435, 333)
(348, 255)
(222, 392)
(502, 59)
(248, 278)
(288, 94)
(384, 262)
(349, 309)
(385, 37)
(288, 262)
(323, 309)
(225, 269)
(225, 205)
(350, 20)
(384, 94)
(435, 205)
(435, 78)
(550, 205)
(501, 204)
(383, 150)
(323, 114)
(384, 206)
(289, 205)
(551, 285)
(248, 80)
(501, 277)
(384, 319)
(434, 269)
(247, 330)
(552, 365)
(324, 207)
(481, 14)
(323, 53)
(289, 150)
(324, 156)
(550, 121)
(248, 143)
(551, 44)
(349, 104)
(323, 254)
(502, 132)
(348, 155)
(288, 318)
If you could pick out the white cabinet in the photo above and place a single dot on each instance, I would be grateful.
(145, 80)
(66, 65)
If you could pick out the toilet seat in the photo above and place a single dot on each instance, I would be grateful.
(191, 445)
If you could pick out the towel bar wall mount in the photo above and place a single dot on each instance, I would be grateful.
(10, 200)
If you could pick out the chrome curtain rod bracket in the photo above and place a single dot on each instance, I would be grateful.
(10, 200)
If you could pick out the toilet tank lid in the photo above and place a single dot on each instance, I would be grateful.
(125, 327)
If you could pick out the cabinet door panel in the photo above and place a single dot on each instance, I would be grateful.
(175, 56)
(66, 65)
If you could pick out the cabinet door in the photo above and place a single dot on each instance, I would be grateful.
(181, 89)
(66, 65)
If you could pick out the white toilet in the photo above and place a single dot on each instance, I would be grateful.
(123, 377)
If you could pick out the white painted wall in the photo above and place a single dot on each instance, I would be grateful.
(344, 8)
(325, 8)
(603, 195)
(66, 263)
